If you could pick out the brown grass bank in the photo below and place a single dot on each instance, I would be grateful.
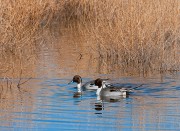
(143, 34)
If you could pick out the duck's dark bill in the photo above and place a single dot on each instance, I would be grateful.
(71, 82)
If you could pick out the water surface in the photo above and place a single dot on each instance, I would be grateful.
(46, 101)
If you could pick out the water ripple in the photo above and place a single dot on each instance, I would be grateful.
(154, 106)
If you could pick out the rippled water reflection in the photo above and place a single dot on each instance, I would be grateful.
(155, 106)
(46, 102)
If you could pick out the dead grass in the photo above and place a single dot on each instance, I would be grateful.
(139, 34)
(142, 34)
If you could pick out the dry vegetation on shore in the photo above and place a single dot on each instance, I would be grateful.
(142, 34)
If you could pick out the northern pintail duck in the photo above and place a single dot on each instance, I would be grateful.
(110, 90)
(88, 85)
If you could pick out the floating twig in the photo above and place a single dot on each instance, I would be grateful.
(19, 84)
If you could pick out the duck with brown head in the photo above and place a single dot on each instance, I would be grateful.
(88, 85)
(77, 79)
(110, 90)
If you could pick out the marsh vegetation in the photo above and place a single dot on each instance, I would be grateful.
(140, 36)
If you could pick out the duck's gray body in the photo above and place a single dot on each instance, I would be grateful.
(115, 91)
(90, 85)
(111, 90)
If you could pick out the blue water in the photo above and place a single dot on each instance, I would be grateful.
(154, 106)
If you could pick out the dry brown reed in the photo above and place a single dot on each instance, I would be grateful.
(142, 34)
(21, 28)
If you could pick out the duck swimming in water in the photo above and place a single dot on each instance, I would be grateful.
(88, 85)
(110, 90)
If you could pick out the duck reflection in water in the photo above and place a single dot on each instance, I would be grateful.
(99, 106)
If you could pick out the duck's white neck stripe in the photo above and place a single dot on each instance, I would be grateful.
(98, 97)
(103, 85)
(79, 87)
(98, 91)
